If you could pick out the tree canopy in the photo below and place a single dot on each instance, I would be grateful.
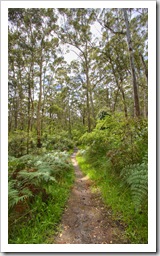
(110, 71)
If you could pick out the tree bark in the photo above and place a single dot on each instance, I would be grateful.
(119, 86)
(144, 66)
(29, 116)
(115, 101)
(15, 102)
(92, 107)
(39, 144)
(87, 90)
(135, 87)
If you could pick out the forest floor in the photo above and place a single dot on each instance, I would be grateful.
(86, 220)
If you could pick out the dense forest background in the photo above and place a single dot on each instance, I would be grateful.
(97, 102)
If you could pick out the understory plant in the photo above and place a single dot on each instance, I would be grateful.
(123, 141)
(32, 181)
(136, 177)
(117, 150)
(118, 199)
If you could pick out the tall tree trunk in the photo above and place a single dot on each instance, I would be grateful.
(43, 104)
(92, 107)
(83, 116)
(39, 144)
(32, 91)
(87, 90)
(124, 101)
(135, 87)
(88, 111)
(32, 81)
(15, 101)
(119, 86)
(69, 122)
(21, 114)
(145, 67)
(15, 114)
(29, 115)
(115, 101)
(144, 104)
(107, 99)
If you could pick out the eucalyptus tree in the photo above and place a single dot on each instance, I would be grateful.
(139, 28)
(112, 58)
(16, 64)
(36, 44)
(75, 31)
(43, 25)
(125, 63)
(79, 95)
(130, 47)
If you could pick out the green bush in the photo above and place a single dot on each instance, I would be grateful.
(59, 142)
(122, 141)
(17, 143)
(119, 145)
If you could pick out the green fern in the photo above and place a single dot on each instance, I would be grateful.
(31, 172)
(15, 195)
(35, 178)
(136, 177)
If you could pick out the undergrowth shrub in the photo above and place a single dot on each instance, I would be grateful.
(59, 142)
(17, 194)
(136, 177)
(32, 179)
(119, 146)
(29, 174)
(17, 143)
(118, 198)
(122, 141)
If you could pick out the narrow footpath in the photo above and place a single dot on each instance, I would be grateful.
(86, 220)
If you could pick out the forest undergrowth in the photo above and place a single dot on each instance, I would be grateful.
(39, 186)
(119, 168)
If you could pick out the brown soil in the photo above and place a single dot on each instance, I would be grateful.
(86, 220)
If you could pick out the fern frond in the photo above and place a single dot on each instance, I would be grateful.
(136, 176)
(14, 196)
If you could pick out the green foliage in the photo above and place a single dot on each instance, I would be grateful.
(118, 199)
(17, 143)
(33, 180)
(114, 155)
(43, 216)
(59, 142)
(15, 196)
(122, 141)
(30, 174)
(103, 113)
(136, 176)
(77, 133)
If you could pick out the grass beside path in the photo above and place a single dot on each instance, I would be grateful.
(118, 199)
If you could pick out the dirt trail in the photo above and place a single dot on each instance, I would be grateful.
(86, 220)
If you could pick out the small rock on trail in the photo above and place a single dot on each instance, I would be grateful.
(86, 220)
